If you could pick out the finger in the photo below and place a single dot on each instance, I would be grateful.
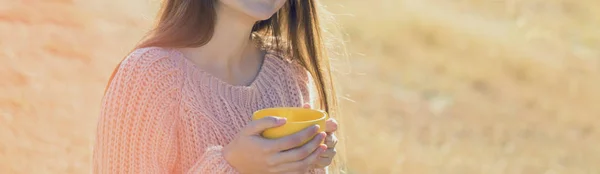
(323, 162)
(304, 164)
(258, 126)
(298, 153)
(306, 106)
(329, 153)
(331, 140)
(296, 139)
(331, 125)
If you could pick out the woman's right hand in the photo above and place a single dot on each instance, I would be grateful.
(249, 152)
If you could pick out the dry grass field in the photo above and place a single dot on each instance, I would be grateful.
(430, 86)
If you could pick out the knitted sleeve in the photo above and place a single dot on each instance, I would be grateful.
(136, 129)
(306, 84)
(213, 162)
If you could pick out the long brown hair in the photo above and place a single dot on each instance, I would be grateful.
(294, 30)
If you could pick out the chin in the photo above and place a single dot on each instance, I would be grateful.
(256, 9)
(261, 16)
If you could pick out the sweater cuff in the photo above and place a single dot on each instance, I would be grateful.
(214, 162)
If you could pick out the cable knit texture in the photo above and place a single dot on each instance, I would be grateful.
(163, 114)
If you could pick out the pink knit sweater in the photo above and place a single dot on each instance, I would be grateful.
(163, 114)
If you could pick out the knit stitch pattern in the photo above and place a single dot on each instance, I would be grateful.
(163, 114)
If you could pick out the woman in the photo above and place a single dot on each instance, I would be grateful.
(182, 101)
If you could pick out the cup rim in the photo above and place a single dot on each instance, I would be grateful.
(325, 115)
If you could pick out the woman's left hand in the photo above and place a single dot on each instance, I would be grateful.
(327, 157)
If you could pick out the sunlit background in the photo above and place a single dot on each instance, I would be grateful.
(430, 86)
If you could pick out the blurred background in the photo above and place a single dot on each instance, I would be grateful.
(430, 86)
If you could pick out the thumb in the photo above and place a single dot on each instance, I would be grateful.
(258, 126)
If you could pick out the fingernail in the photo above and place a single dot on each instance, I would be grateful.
(316, 127)
(281, 120)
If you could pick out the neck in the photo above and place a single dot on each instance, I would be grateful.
(230, 40)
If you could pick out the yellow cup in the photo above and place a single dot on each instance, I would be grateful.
(297, 120)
